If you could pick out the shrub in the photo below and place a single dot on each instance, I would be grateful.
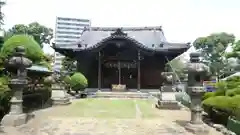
(67, 79)
(221, 88)
(220, 108)
(233, 92)
(78, 81)
(233, 82)
(218, 102)
(208, 95)
(33, 50)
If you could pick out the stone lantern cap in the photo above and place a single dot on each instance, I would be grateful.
(19, 60)
(195, 65)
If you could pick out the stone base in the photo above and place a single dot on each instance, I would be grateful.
(170, 105)
(167, 88)
(16, 119)
(61, 101)
(198, 129)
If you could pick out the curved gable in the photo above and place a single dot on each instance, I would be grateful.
(148, 37)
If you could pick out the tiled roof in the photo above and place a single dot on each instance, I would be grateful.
(149, 38)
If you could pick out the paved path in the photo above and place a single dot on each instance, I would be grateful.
(45, 123)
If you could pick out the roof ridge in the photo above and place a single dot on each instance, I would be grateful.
(125, 28)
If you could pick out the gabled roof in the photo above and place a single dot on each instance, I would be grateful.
(147, 38)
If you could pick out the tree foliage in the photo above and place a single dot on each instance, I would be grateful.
(40, 33)
(68, 64)
(213, 49)
(2, 3)
(235, 50)
(33, 50)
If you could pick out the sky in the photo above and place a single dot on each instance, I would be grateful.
(181, 20)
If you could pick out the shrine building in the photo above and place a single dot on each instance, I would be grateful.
(134, 57)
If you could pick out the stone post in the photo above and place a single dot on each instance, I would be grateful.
(197, 71)
(59, 94)
(17, 63)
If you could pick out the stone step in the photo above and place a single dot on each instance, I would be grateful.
(121, 95)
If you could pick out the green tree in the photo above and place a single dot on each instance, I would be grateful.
(213, 50)
(2, 3)
(33, 51)
(68, 64)
(40, 33)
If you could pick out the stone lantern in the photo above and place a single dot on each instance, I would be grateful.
(18, 62)
(197, 71)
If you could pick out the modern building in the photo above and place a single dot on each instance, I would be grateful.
(134, 57)
(67, 32)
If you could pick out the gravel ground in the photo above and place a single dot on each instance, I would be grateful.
(45, 123)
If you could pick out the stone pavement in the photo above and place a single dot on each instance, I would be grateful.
(45, 123)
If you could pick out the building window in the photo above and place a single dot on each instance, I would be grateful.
(72, 37)
(73, 19)
(68, 32)
(70, 28)
(65, 41)
(72, 24)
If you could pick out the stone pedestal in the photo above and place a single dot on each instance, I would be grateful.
(198, 129)
(59, 96)
(167, 100)
(14, 119)
(167, 88)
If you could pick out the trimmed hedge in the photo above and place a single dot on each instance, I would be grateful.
(78, 82)
(33, 50)
(220, 108)
(208, 95)
(233, 92)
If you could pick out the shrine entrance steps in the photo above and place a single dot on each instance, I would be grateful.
(122, 95)
(131, 93)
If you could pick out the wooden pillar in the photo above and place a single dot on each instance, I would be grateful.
(139, 72)
(119, 72)
(99, 71)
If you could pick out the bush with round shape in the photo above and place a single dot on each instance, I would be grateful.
(218, 108)
(78, 82)
(32, 48)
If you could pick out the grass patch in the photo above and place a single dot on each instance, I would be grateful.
(107, 108)
(101, 108)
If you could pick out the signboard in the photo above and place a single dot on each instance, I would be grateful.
(209, 86)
